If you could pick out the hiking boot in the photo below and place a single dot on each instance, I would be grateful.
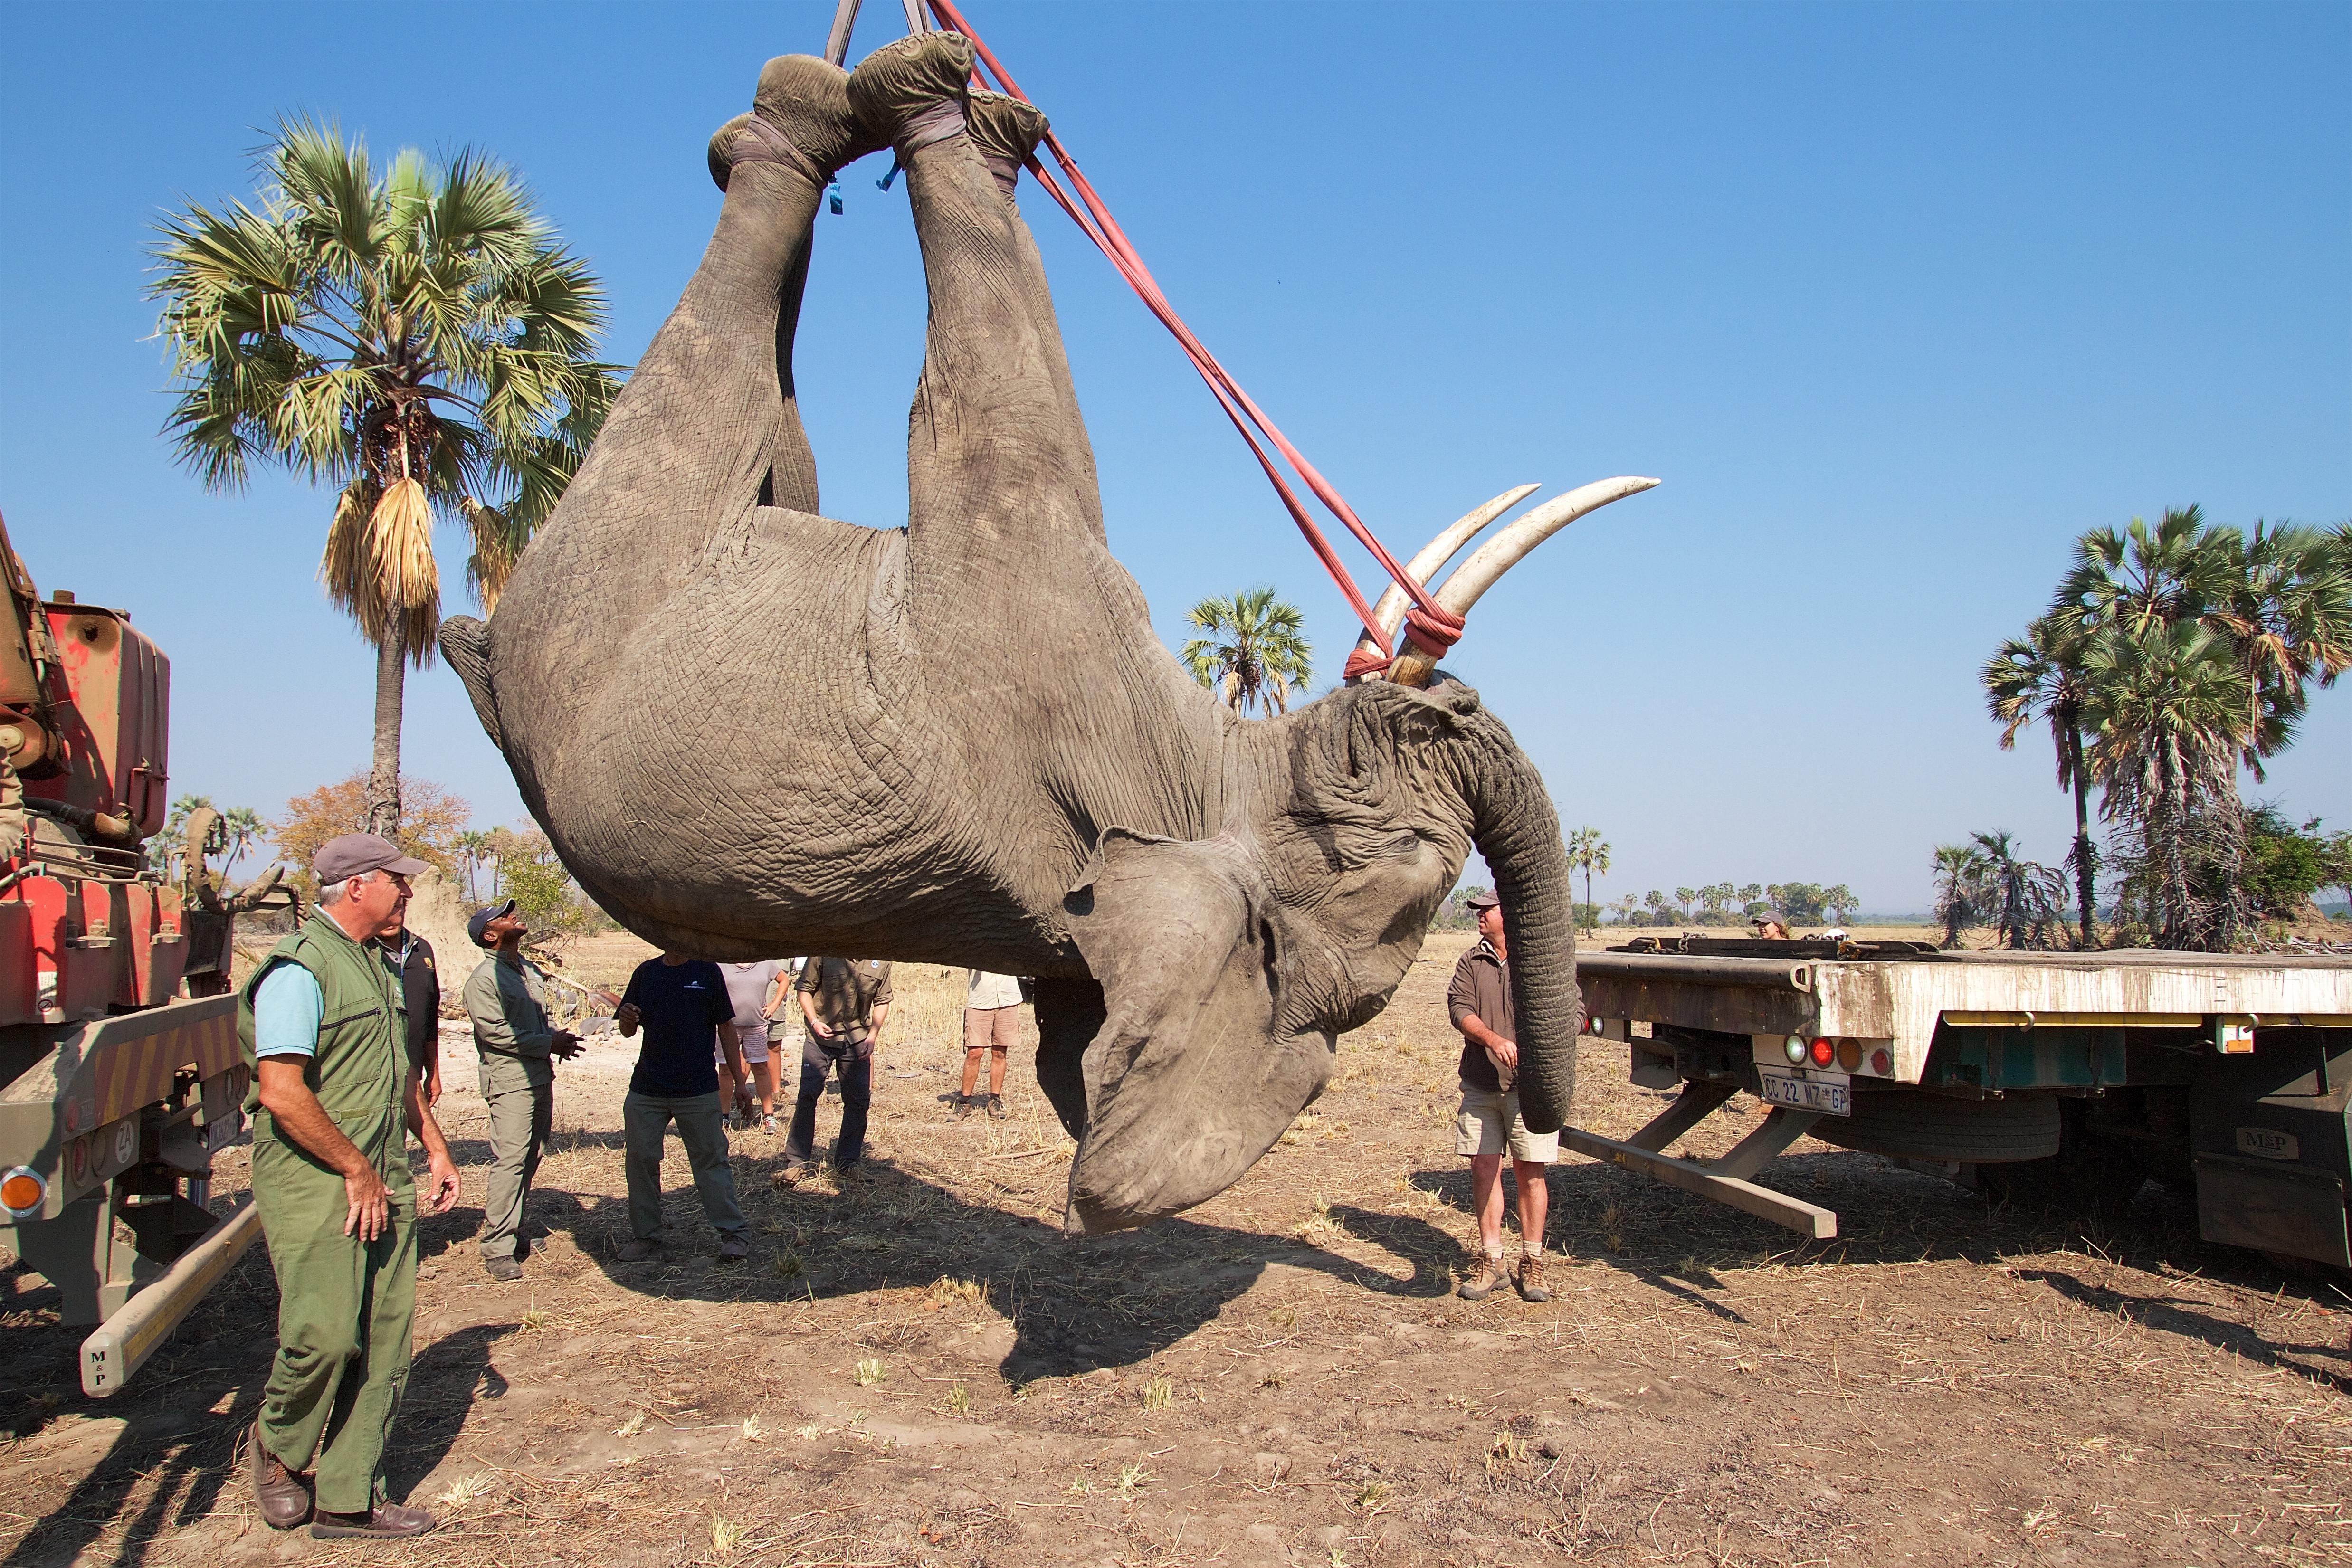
(1531, 1280)
(996, 1106)
(284, 1500)
(641, 1251)
(734, 1247)
(965, 1104)
(1483, 1280)
(504, 1269)
(385, 1521)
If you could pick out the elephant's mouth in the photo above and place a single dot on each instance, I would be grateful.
(1174, 1124)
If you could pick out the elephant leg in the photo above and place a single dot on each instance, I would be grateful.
(708, 427)
(998, 464)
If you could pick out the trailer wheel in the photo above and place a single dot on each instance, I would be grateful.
(2089, 1175)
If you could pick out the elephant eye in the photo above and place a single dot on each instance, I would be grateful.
(1403, 844)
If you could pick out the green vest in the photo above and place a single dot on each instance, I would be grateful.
(361, 1068)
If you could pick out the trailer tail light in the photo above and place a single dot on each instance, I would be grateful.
(1796, 1051)
(1849, 1054)
(23, 1192)
(1881, 1061)
(1824, 1052)
(1592, 1026)
(81, 1160)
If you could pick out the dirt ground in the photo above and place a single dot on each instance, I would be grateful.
(918, 1369)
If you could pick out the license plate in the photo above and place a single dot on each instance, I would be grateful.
(1831, 1097)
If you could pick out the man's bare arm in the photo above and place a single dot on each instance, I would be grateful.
(295, 1114)
(445, 1185)
(1505, 1052)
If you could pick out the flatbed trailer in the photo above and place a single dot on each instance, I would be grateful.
(2060, 1079)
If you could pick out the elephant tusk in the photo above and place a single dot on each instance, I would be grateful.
(1504, 551)
(1389, 610)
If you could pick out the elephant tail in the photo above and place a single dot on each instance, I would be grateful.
(466, 643)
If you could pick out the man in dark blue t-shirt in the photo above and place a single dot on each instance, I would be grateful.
(682, 1004)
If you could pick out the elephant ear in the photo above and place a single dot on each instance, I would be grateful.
(1192, 1074)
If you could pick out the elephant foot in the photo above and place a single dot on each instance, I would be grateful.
(800, 118)
(912, 92)
(1006, 132)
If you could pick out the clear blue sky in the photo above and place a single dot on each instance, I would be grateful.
(1898, 300)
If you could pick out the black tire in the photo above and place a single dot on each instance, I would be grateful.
(2088, 1175)
(1910, 1123)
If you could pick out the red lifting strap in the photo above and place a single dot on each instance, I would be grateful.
(1429, 625)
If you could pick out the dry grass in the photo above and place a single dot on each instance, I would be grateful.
(918, 1368)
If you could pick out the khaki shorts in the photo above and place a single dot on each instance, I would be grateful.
(1490, 1123)
(755, 1046)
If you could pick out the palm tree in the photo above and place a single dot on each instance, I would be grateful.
(2166, 706)
(2289, 610)
(1254, 655)
(2143, 577)
(1587, 851)
(2022, 897)
(1960, 877)
(414, 337)
(243, 825)
(473, 849)
(1841, 903)
(2040, 675)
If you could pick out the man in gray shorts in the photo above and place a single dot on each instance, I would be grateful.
(1479, 1003)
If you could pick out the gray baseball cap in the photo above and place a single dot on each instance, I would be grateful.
(356, 854)
(1482, 901)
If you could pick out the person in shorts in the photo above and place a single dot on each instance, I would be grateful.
(751, 988)
(1479, 1003)
(991, 1016)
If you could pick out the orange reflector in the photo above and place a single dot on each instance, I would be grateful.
(21, 1191)
(1822, 1051)
(1849, 1054)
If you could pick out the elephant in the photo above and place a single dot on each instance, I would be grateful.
(971, 747)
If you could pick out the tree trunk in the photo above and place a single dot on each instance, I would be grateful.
(384, 778)
(2086, 866)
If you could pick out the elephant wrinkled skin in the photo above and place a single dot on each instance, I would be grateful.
(751, 729)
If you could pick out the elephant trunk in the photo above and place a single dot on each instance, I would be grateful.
(1515, 828)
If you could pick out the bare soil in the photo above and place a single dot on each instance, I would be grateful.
(916, 1368)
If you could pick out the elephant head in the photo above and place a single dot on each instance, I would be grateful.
(751, 729)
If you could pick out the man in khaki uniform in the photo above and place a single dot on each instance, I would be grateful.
(844, 1002)
(506, 1001)
(325, 1031)
(1479, 1003)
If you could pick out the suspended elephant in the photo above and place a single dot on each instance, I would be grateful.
(971, 747)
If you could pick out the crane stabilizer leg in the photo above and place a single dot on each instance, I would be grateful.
(122, 1345)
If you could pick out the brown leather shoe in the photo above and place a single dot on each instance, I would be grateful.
(1531, 1280)
(386, 1520)
(285, 1502)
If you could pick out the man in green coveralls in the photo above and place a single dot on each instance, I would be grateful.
(323, 1025)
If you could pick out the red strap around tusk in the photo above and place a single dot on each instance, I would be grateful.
(1432, 635)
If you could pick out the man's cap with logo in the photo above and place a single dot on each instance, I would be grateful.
(356, 854)
(482, 918)
(1482, 901)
